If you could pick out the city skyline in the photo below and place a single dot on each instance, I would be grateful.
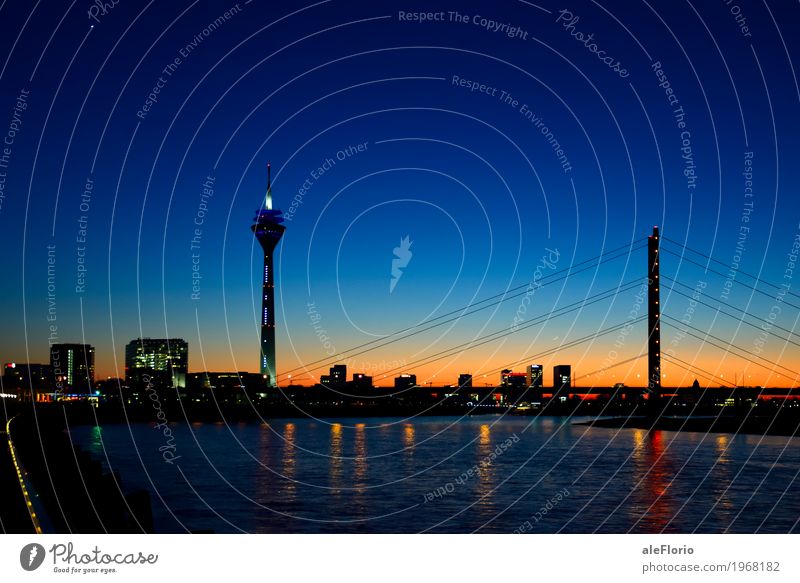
(342, 267)
(269, 220)
(137, 222)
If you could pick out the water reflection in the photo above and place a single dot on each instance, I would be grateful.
(289, 460)
(654, 505)
(627, 487)
(264, 475)
(335, 461)
(485, 481)
(360, 461)
(408, 438)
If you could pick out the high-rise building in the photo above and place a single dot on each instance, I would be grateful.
(504, 376)
(405, 381)
(164, 362)
(535, 376)
(339, 374)
(268, 229)
(72, 368)
(465, 381)
(562, 379)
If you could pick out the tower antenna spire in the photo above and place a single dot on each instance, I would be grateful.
(268, 229)
(268, 202)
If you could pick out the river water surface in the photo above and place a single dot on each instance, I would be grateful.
(445, 474)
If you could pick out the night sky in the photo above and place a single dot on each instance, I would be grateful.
(491, 137)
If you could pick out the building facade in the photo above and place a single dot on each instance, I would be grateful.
(72, 367)
(562, 379)
(535, 376)
(162, 362)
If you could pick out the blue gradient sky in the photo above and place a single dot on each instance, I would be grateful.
(472, 182)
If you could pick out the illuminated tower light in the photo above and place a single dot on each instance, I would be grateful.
(268, 229)
(653, 315)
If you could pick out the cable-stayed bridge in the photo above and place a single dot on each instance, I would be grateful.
(687, 346)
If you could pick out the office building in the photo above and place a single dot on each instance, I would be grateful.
(161, 362)
(72, 367)
(535, 376)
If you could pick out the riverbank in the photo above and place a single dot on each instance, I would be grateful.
(72, 490)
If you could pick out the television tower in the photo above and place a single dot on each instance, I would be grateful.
(268, 229)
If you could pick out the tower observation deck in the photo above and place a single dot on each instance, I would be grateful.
(268, 229)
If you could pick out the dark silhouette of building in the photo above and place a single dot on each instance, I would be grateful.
(161, 362)
(535, 376)
(27, 381)
(72, 368)
(405, 381)
(562, 380)
(465, 381)
(653, 315)
(268, 229)
(361, 381)
(515, 380)
(337, 377)
(229, 388)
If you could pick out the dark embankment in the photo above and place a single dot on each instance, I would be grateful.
(76, 494)
(14, 517)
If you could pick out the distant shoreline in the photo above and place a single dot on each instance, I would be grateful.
(787, 425)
